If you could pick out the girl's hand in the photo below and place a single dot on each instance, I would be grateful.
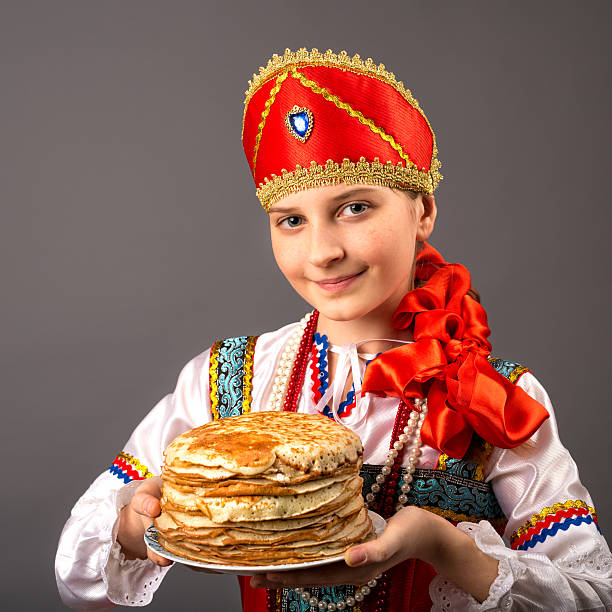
(136, 517)
(410, 533)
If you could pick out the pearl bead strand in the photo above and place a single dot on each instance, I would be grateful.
(411, 430)
(279, 388)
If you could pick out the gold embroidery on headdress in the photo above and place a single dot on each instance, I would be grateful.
(312, 85)
(265, 113)
(363, 172)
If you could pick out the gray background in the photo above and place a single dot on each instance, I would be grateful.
(131, 238)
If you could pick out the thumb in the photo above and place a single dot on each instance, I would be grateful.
(146, 499)
(380, 550)
(146, 505)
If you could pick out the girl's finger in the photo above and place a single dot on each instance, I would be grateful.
(384, 548)
(157, 559)
(146, 505)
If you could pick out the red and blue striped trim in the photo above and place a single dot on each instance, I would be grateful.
(128, 468)
(320, 378)
(547, 524)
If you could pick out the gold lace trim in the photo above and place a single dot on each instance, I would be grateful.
(536, 518)
(214, 387)
(458, 517)
(139, 466)
(332, 173)
(247, 379)
(265, 113)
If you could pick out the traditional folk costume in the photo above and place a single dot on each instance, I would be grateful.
(486, 454)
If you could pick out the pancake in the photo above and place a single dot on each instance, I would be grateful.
(262, 489)
(252, 486)
(196, 520)
(250, 444)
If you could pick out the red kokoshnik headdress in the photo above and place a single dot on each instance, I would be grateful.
(314, 119)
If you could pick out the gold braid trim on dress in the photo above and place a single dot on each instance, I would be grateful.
(458, 517)
(214, 387)
(368, 173)
(247, 379)
(139, 466)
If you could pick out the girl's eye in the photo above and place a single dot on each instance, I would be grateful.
(356, 208)
(292, 221)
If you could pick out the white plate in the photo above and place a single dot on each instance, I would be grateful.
(151, 541)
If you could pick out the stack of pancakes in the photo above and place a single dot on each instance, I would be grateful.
(263, 488)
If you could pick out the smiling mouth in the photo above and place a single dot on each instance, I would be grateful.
(339, 283)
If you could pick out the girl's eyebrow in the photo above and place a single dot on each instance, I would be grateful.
(281, 210)
(353, 192)
(341, 196)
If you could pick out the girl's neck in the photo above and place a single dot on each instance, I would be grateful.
(371, 326)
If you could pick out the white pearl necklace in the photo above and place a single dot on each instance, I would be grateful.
(279, 388)
(411, 430)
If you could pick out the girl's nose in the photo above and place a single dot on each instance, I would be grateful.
(325, 247)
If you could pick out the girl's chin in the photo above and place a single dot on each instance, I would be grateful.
(341, 313)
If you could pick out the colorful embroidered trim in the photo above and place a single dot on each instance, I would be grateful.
(231, 376)
(552, 519)
(474, 462)
(247, 379)
(455, 497)
(290, 601)
(320, 377)
(508, 369)
(499, 524)
(128, 468)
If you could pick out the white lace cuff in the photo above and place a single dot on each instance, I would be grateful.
(129, 582)
(532, 581)
(447, 596)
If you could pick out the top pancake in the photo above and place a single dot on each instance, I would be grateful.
(252, 443)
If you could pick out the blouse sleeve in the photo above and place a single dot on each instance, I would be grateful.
(557, 558)
(91, 571)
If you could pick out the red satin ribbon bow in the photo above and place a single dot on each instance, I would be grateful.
(447, 363)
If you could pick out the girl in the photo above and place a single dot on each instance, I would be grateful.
(460, 448)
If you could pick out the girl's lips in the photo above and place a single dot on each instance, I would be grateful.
(334, 285)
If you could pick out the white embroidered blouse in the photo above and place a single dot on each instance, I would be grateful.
(559, 560)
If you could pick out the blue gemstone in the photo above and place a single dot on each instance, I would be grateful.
(299, 123)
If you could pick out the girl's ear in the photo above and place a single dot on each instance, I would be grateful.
(427, 217)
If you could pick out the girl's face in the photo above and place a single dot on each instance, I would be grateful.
(349, 250)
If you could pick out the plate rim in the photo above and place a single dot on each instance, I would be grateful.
(150, 538)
